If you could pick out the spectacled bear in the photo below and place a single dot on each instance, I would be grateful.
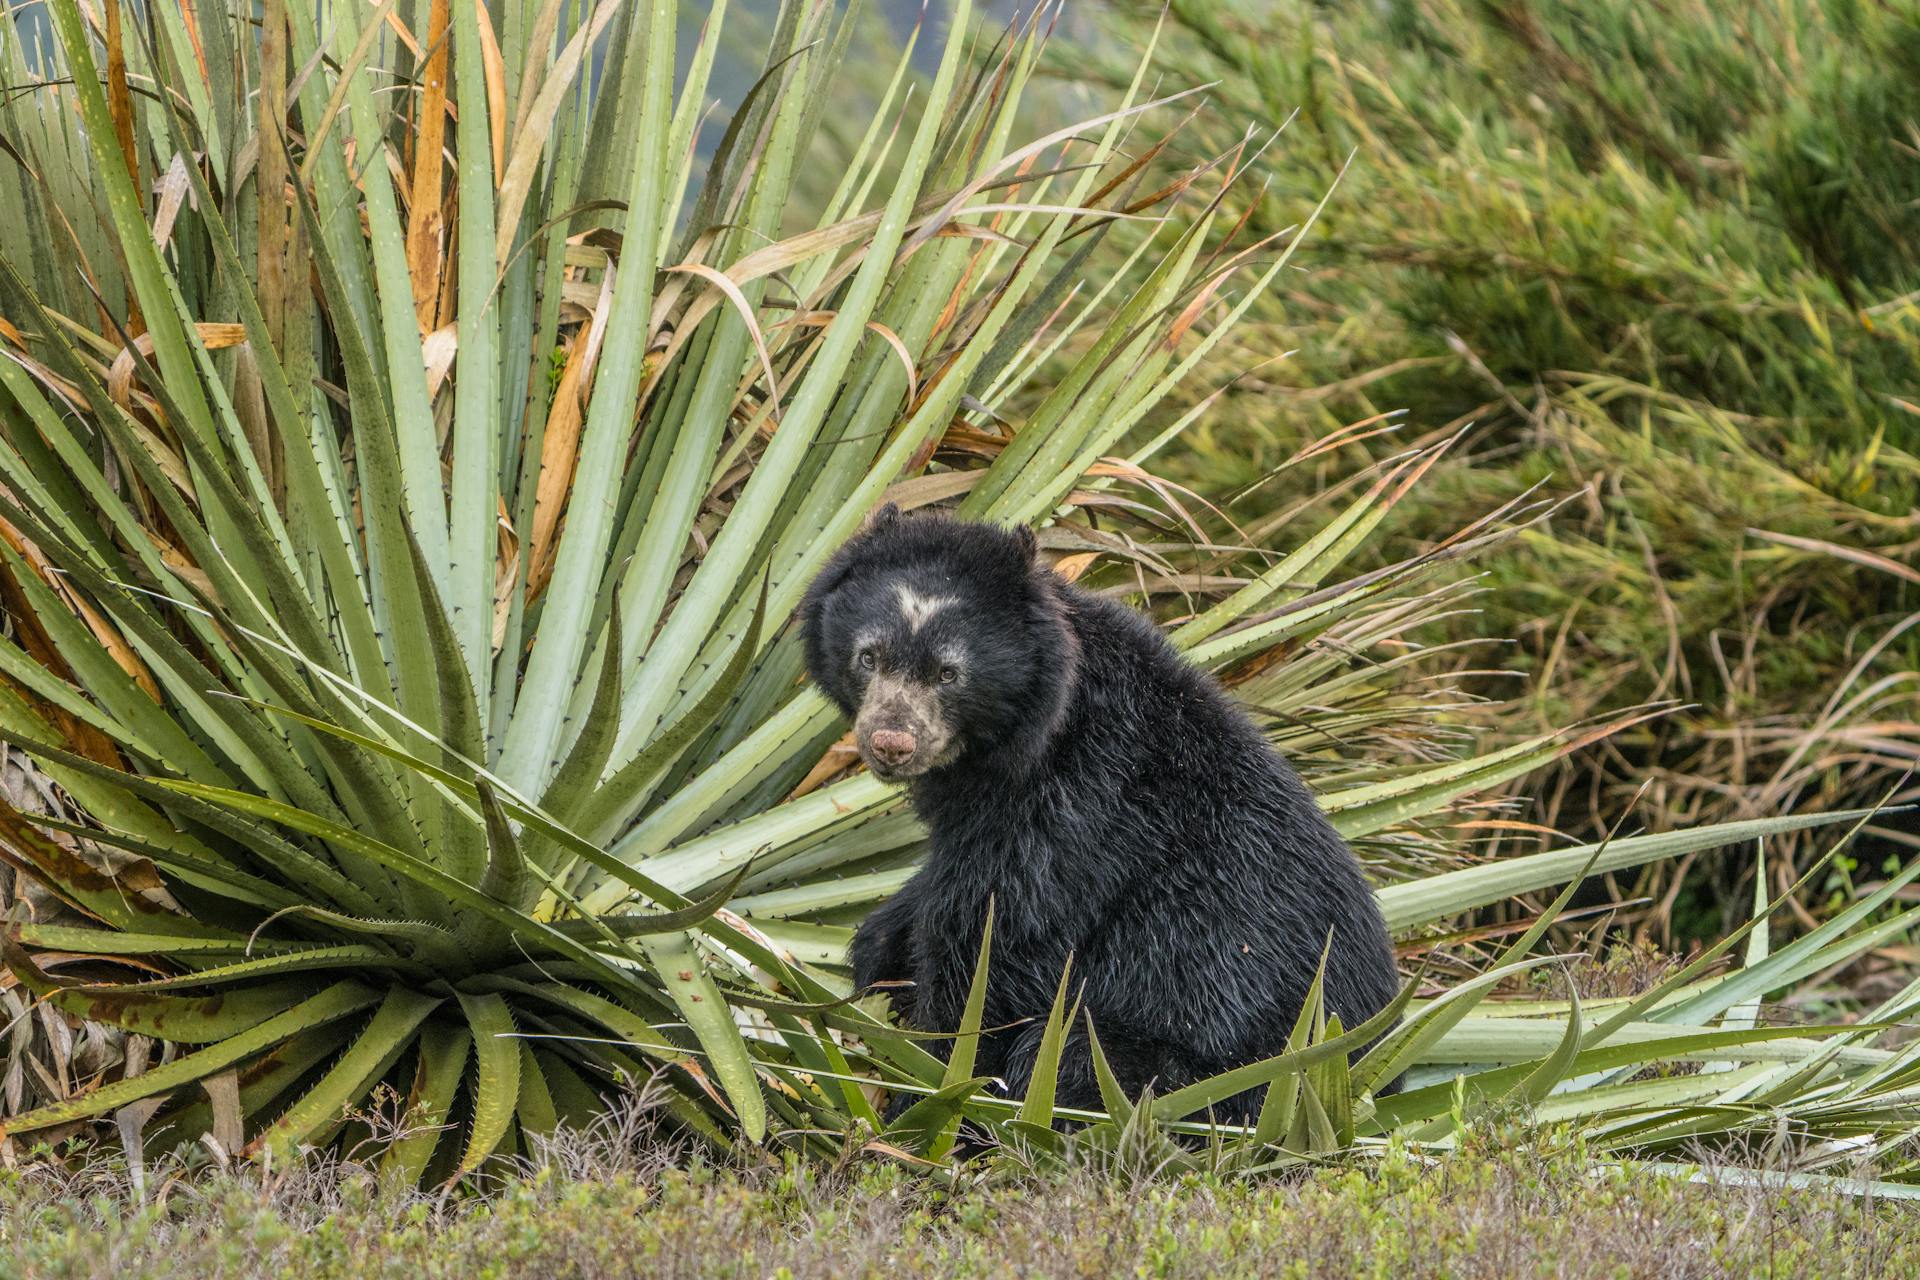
(1109, 799)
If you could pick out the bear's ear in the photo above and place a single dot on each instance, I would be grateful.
(881, 517)
(1029, 545)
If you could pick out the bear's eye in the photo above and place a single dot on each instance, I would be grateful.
(867, 660)
(948, 675)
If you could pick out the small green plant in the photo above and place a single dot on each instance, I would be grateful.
(1515, 1199)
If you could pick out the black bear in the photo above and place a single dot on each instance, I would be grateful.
(1109, 799)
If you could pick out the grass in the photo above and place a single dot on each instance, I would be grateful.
(435, 734)
(1662, 262)
(1513, 1201)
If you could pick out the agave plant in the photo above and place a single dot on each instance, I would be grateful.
(409, 474)
(1682, 1067)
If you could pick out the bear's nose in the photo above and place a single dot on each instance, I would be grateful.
(892, 747)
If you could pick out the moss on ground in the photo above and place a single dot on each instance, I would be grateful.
(1508, 1208)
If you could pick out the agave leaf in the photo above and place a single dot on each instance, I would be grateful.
(613, 795)
(147, 272)
(377, 1048)
(497, 1089)
(1327, 1089)
(679, 918)
(476, 404)
(392, 859)
(506, 880)
(438, 1068)
(593, 746)
(1452, 892)
(182, 1019)
(192, 867)
(294, 959)
(1667, 1044)
(1205, 1093)
(832, 895)
(448, 834)
(247, 563)
(965, 1041)
(821, 1056)
(114, 942)
(307, 459)
(299, 866)
(261, 1080)
(684, 972)
(694, 862)
(425, 940)
(1787, 1084)
(1524, 944)
(147, 728)
(1553, 1069)
(1747, 1013)
(180, 672)
(535, 118)
(1301, 568)
(529, 751)
(627, 1029)
(18, 667)
(1406, 1043)
(1818, 1183)
(1683, 981)
(1575, 1104)
(1365, 810)
(1831, 942)
(929, 1125)
(399, 611)
(335, 1002)
(1279, 1107)
(534, 1111)
(715, 582)
(123, 897)
(576, 1103)
(1480, 1040)
(1313, 1127)
(1037, 1107)
(630, 1027)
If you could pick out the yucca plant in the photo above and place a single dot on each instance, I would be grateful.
(409, 474)
(1684, 1067)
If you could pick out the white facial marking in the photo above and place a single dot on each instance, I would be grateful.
(862, 642)
(916, 608)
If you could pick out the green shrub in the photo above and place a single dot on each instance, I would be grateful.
(1661, 260)
(1513, 1202)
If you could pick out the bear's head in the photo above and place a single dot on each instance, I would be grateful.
(942, 640)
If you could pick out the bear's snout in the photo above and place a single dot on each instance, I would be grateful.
(901, 729)
(891, 747)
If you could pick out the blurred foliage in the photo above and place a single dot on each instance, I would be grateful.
(1661, 261)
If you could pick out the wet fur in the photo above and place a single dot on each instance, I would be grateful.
(1114, 804)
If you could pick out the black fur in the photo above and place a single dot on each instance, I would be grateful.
(1114, 804)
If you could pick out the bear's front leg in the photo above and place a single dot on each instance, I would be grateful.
(882, 950)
